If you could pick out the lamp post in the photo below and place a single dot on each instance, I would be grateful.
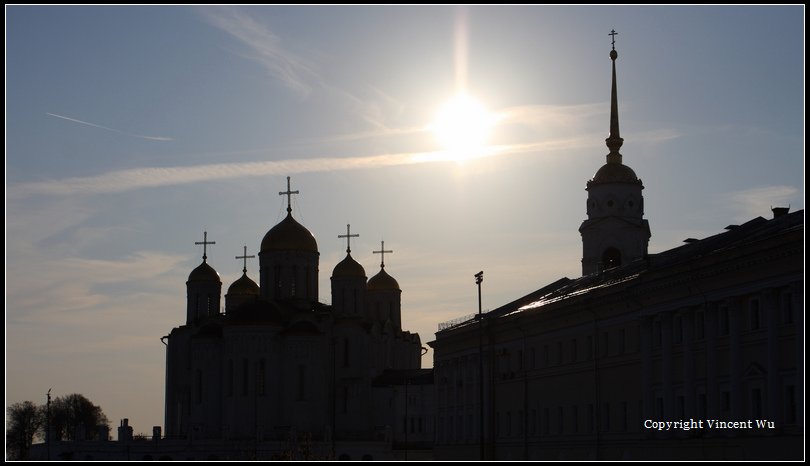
(48, 425)
(479, 277)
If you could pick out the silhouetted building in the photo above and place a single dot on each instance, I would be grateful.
(279, 368)
(706, 333)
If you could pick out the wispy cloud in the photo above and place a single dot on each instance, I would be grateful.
(266, 48)
(139, 178)
(537, 116)
(127, 180)
(106, 128)
(301, 75)
(148, 177)
(756, 202)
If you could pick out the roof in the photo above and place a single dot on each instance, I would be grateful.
(753, 231)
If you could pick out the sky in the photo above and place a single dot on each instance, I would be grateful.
(132, 130)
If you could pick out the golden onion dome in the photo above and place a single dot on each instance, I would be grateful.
(204, 273)
(614, 173)
(382, 282)
(289, 235)
(243, 286)
(349, 267)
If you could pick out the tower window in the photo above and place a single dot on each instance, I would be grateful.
(611, 258)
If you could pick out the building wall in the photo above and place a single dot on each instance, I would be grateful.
(711, 337)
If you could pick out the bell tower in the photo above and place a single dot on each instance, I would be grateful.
(615, 232)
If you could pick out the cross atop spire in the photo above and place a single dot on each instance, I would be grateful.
(382, 252)
(245, 257)
(289, 194)
(613, 35)
(205, 244)
(349, 237)
(614, 140)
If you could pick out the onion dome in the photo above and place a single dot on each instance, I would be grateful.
(204, 273)
(289, 235)
(614, 172)
(349, 267)
(382, 282)
(244, 286)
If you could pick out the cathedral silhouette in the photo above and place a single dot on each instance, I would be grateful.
(278, 365)
(694, 353)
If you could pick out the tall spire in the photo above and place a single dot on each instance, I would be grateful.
(614, 140)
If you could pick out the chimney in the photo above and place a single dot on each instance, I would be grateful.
(780, 211)
(125, 431)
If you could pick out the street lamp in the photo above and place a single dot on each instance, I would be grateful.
(48, 425)
(479, 277)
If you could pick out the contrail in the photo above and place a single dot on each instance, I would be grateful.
(151, 138)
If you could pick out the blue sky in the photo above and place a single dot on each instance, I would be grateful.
(131, 130)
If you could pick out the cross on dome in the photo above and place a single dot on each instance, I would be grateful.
(382, 252)
(349, 237)
(205, 243)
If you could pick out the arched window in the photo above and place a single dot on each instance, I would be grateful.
(611, 258)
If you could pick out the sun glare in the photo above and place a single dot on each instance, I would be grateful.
(462, 127)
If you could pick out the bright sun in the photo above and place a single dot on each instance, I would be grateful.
(462, 126)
